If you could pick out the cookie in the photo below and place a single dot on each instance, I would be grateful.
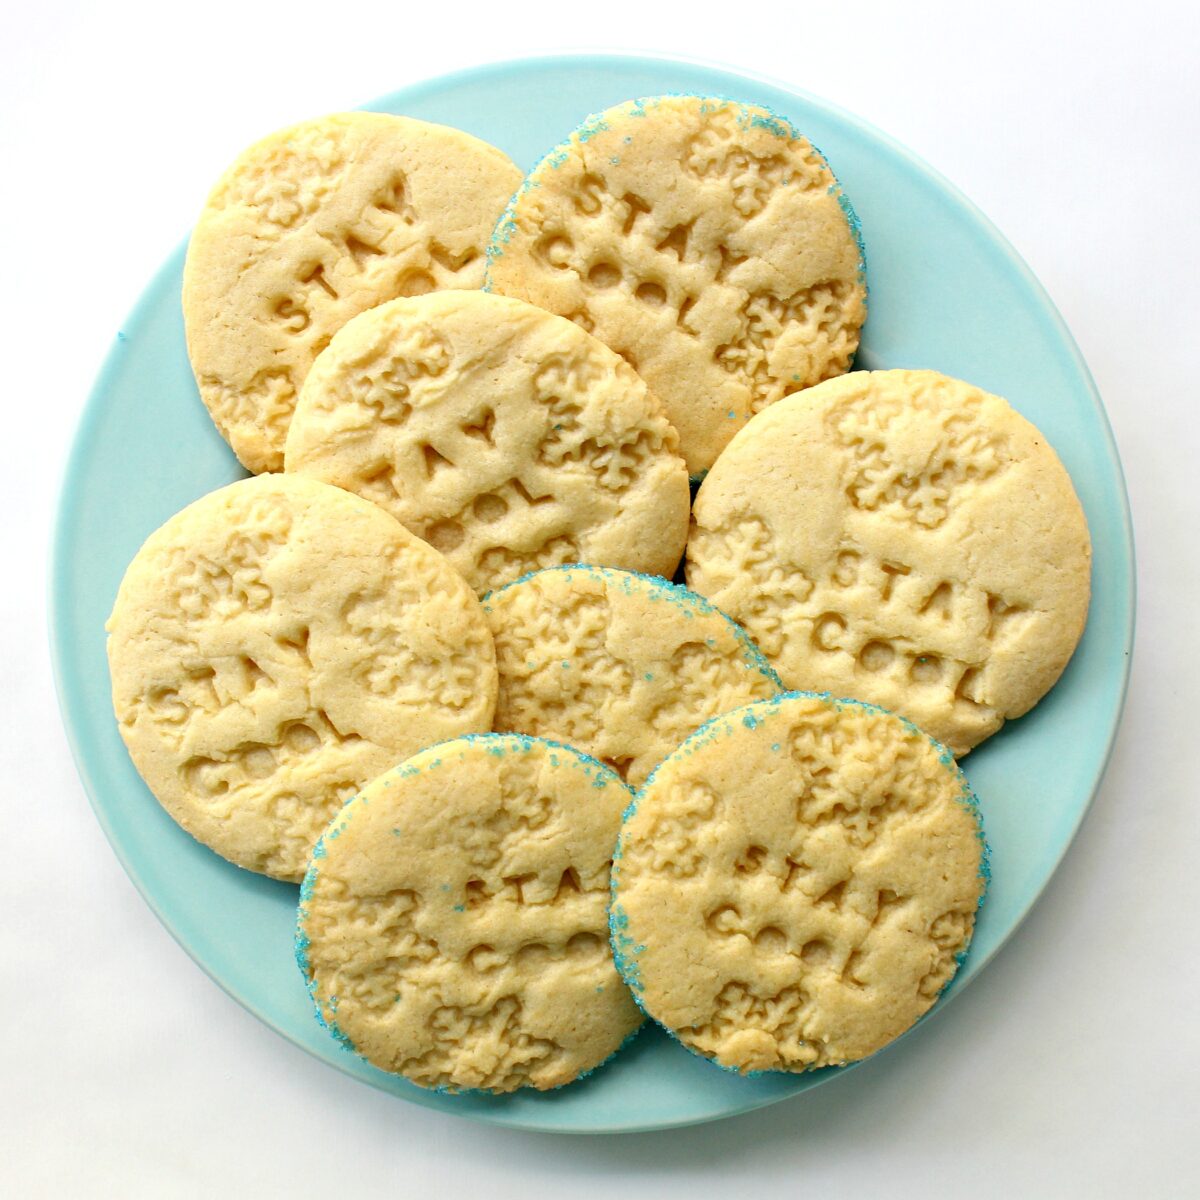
(903, 538)
(704, 240)
(623, 666)
(503, 435)
(308, 228)
(453, 924)
(797, 883)
(277, 644)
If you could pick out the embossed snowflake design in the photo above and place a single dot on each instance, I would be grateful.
(911, 457)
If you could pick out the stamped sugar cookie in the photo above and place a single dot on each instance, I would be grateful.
(704, 240)
(797, 883)
(904, 538)
(453, 925)
(503, 435)
(308, 228)
(277, 644)
(621, 665)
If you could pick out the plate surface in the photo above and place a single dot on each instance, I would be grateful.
(946, 292)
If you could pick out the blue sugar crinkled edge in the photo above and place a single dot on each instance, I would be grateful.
(778, 124)
(626, 950)
(499, 744)
(660, 588)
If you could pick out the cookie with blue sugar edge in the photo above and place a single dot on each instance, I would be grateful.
(453, 923)
(623, 666)
(505, 436)
(795, 886)
(705, 240)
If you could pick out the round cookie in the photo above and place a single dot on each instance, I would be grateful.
(275, 645)
(453, 924)
(308, 228)
(904, 538)
(797, 883)
(623, 666)
(505, 436)
(704, 240)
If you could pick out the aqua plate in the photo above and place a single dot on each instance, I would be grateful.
(946, 291)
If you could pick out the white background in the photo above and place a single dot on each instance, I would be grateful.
(1070, 1068)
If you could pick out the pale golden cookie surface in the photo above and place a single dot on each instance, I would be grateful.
(503, 435)
(453, 926)
(622, 666)
(794, 887)
(704, 240)
(903, 538)
(277, 644)
(309, 227)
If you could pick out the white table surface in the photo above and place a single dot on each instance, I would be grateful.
(1071, 1068)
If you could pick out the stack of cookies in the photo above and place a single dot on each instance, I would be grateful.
(429, 661)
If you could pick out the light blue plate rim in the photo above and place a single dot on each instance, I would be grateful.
(81, 723)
